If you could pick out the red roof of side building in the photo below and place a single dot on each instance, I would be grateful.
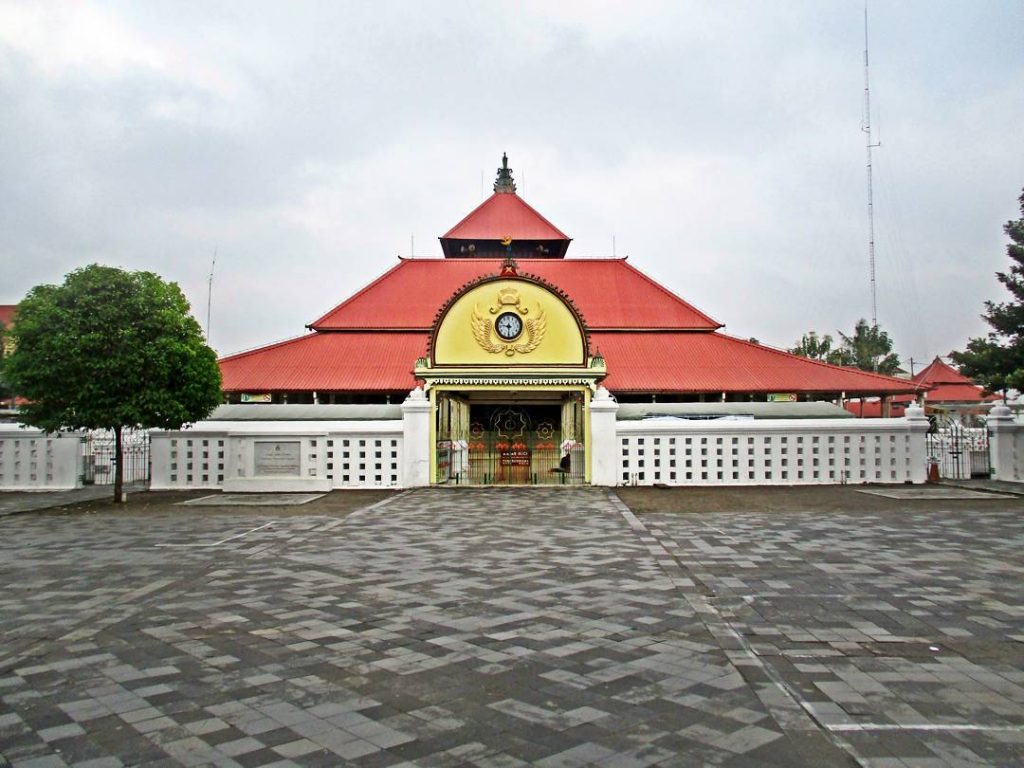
(609, 293)
(945, 384)
(501, 215)
(872, 408)
(6, 313)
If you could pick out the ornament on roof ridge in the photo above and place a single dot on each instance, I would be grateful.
(504, 181)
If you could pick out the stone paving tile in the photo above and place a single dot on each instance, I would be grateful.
(504, 628)
(896, 631)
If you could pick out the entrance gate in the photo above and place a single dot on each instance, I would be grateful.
(961, 452)
(98, 460)
(511, 444)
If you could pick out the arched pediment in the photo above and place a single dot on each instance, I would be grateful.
(510, 321)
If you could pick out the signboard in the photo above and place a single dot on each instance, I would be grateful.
(782, 397)
(277, 459)
(263, 397)
(515, 458)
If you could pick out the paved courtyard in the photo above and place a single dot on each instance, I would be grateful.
(508, 627)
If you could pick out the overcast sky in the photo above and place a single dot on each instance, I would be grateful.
(718, 142)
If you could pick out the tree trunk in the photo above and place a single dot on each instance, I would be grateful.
(118, 461)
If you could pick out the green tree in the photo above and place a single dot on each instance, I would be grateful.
(996, 361)
(815, 347)
(110, 349)
(868, 348)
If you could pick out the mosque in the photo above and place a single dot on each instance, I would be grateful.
(511, 339)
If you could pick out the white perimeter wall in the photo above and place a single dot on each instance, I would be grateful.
(395, 453)
(333, 454)
(773, 452)
(31, 460)
(1006, 445)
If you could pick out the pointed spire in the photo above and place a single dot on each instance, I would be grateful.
(504, 181)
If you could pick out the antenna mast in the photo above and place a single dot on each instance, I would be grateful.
(869, 145)
(209, 295)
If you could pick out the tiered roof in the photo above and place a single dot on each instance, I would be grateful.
(610, 293)
(652, 340)
(504, 215)
(504, 224)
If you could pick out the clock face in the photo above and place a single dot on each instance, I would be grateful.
(509, 325)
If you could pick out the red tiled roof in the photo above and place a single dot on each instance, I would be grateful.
(327, 361)
(872, 408)
(948, 385)
(637, 362)
(609, 293)
(958, 393)
(937, 372)
(503, 214)
(715, 362)
(6, 313)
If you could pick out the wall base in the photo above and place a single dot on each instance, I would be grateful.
(276, 485)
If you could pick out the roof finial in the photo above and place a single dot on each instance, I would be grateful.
(504, 181)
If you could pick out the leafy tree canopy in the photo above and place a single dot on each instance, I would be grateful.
(816, 347)
(109, 349)
(868, 348)
(997, 360)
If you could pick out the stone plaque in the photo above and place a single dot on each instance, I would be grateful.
(278, 459)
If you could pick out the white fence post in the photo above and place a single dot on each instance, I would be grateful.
(416, 438)
(604, 442)
(1004, 432)
(918, 425)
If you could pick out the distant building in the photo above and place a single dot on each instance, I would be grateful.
(943, 388)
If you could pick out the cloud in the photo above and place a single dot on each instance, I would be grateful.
(719, 144)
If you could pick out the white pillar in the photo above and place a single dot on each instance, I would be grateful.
(918, 424)
(159, 460)
(604, 449)
(1002, 429)
(416, 447)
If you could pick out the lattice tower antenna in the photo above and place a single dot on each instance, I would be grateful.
(209, 295)
(870, 144)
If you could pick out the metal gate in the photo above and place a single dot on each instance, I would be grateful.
(98, 461)
(959, 451)
(512, 446)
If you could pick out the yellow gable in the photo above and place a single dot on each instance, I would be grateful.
(509, 322)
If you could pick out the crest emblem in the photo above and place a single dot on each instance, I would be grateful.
(511, 330)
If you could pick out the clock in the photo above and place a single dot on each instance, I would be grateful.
(508, 325)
